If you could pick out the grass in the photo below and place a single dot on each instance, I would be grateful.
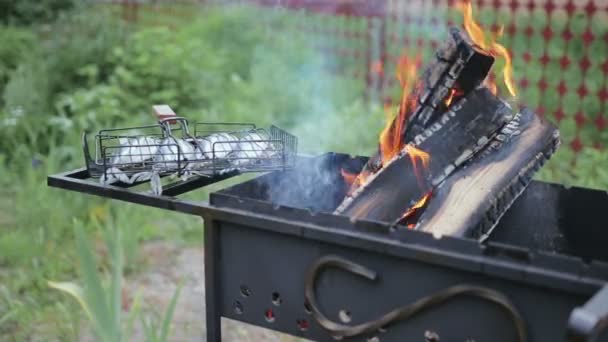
(232, 64)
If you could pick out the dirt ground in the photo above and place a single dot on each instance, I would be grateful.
(167, 265)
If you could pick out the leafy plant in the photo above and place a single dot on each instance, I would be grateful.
(15, 43)
(34, 78)
(32, 11)
(103, 304)
(154, 330)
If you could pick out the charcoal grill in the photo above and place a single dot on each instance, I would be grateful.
(276, 257)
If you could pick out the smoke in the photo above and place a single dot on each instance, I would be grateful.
(299, 83)
(315, 183)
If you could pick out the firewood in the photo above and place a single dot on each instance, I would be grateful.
(456, 65)
(472, 200)
(454, 138)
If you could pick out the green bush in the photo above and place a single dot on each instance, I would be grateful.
(32, 11)
(77, 53)
(213, 69)
(15, 43)
(586, 169)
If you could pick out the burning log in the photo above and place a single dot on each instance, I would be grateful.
(472, 200)
(457, 68)
(477, 157)
(468, 126)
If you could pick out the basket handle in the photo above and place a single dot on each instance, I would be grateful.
(166, 117)
(164, 112)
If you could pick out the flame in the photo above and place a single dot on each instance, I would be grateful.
(490, 46)
(448, 100)
(413, 209)
(418, 156)
(354, 180)
(349, 178)
(391, 140)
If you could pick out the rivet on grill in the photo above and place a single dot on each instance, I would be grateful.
(373, 339)
(431, 336)
(302, 324)
(345, 316)
(238, 307)
(276, 298)
(269, 315)
(245, 291)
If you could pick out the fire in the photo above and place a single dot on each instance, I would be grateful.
(455, 93)
(391, 139)
(349, 178)
(450, 97)
(354, 179)
(490, 46)
(417, 155)
(413, 209)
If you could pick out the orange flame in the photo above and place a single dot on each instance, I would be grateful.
(349, 178)
(354, 179)
(391, 140)
(418, 156)
(490, 46)
(413, 209)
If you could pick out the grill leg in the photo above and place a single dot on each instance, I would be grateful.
(212, 307)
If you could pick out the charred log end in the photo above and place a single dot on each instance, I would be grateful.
(477, 69)
(478, 63)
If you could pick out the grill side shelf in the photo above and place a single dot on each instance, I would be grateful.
(79, 180)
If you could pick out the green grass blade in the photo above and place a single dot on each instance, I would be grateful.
(94, 294)
(149, 330)
(133, 314)
(166, 327)
(8, 316)
(116, 287)
(76, 292)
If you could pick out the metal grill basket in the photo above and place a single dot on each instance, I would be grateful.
(137, 154)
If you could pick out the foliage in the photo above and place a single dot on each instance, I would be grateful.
(77, 53)
(156, 331)
(103, 305)
(32, 11)
(584, 170)
(14, 44)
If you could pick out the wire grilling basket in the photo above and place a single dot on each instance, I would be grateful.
(147, 153)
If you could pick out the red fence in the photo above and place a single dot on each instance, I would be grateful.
(559, 48)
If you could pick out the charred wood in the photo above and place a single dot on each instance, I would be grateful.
(457, 65)
(453, 139)
(471, 201)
